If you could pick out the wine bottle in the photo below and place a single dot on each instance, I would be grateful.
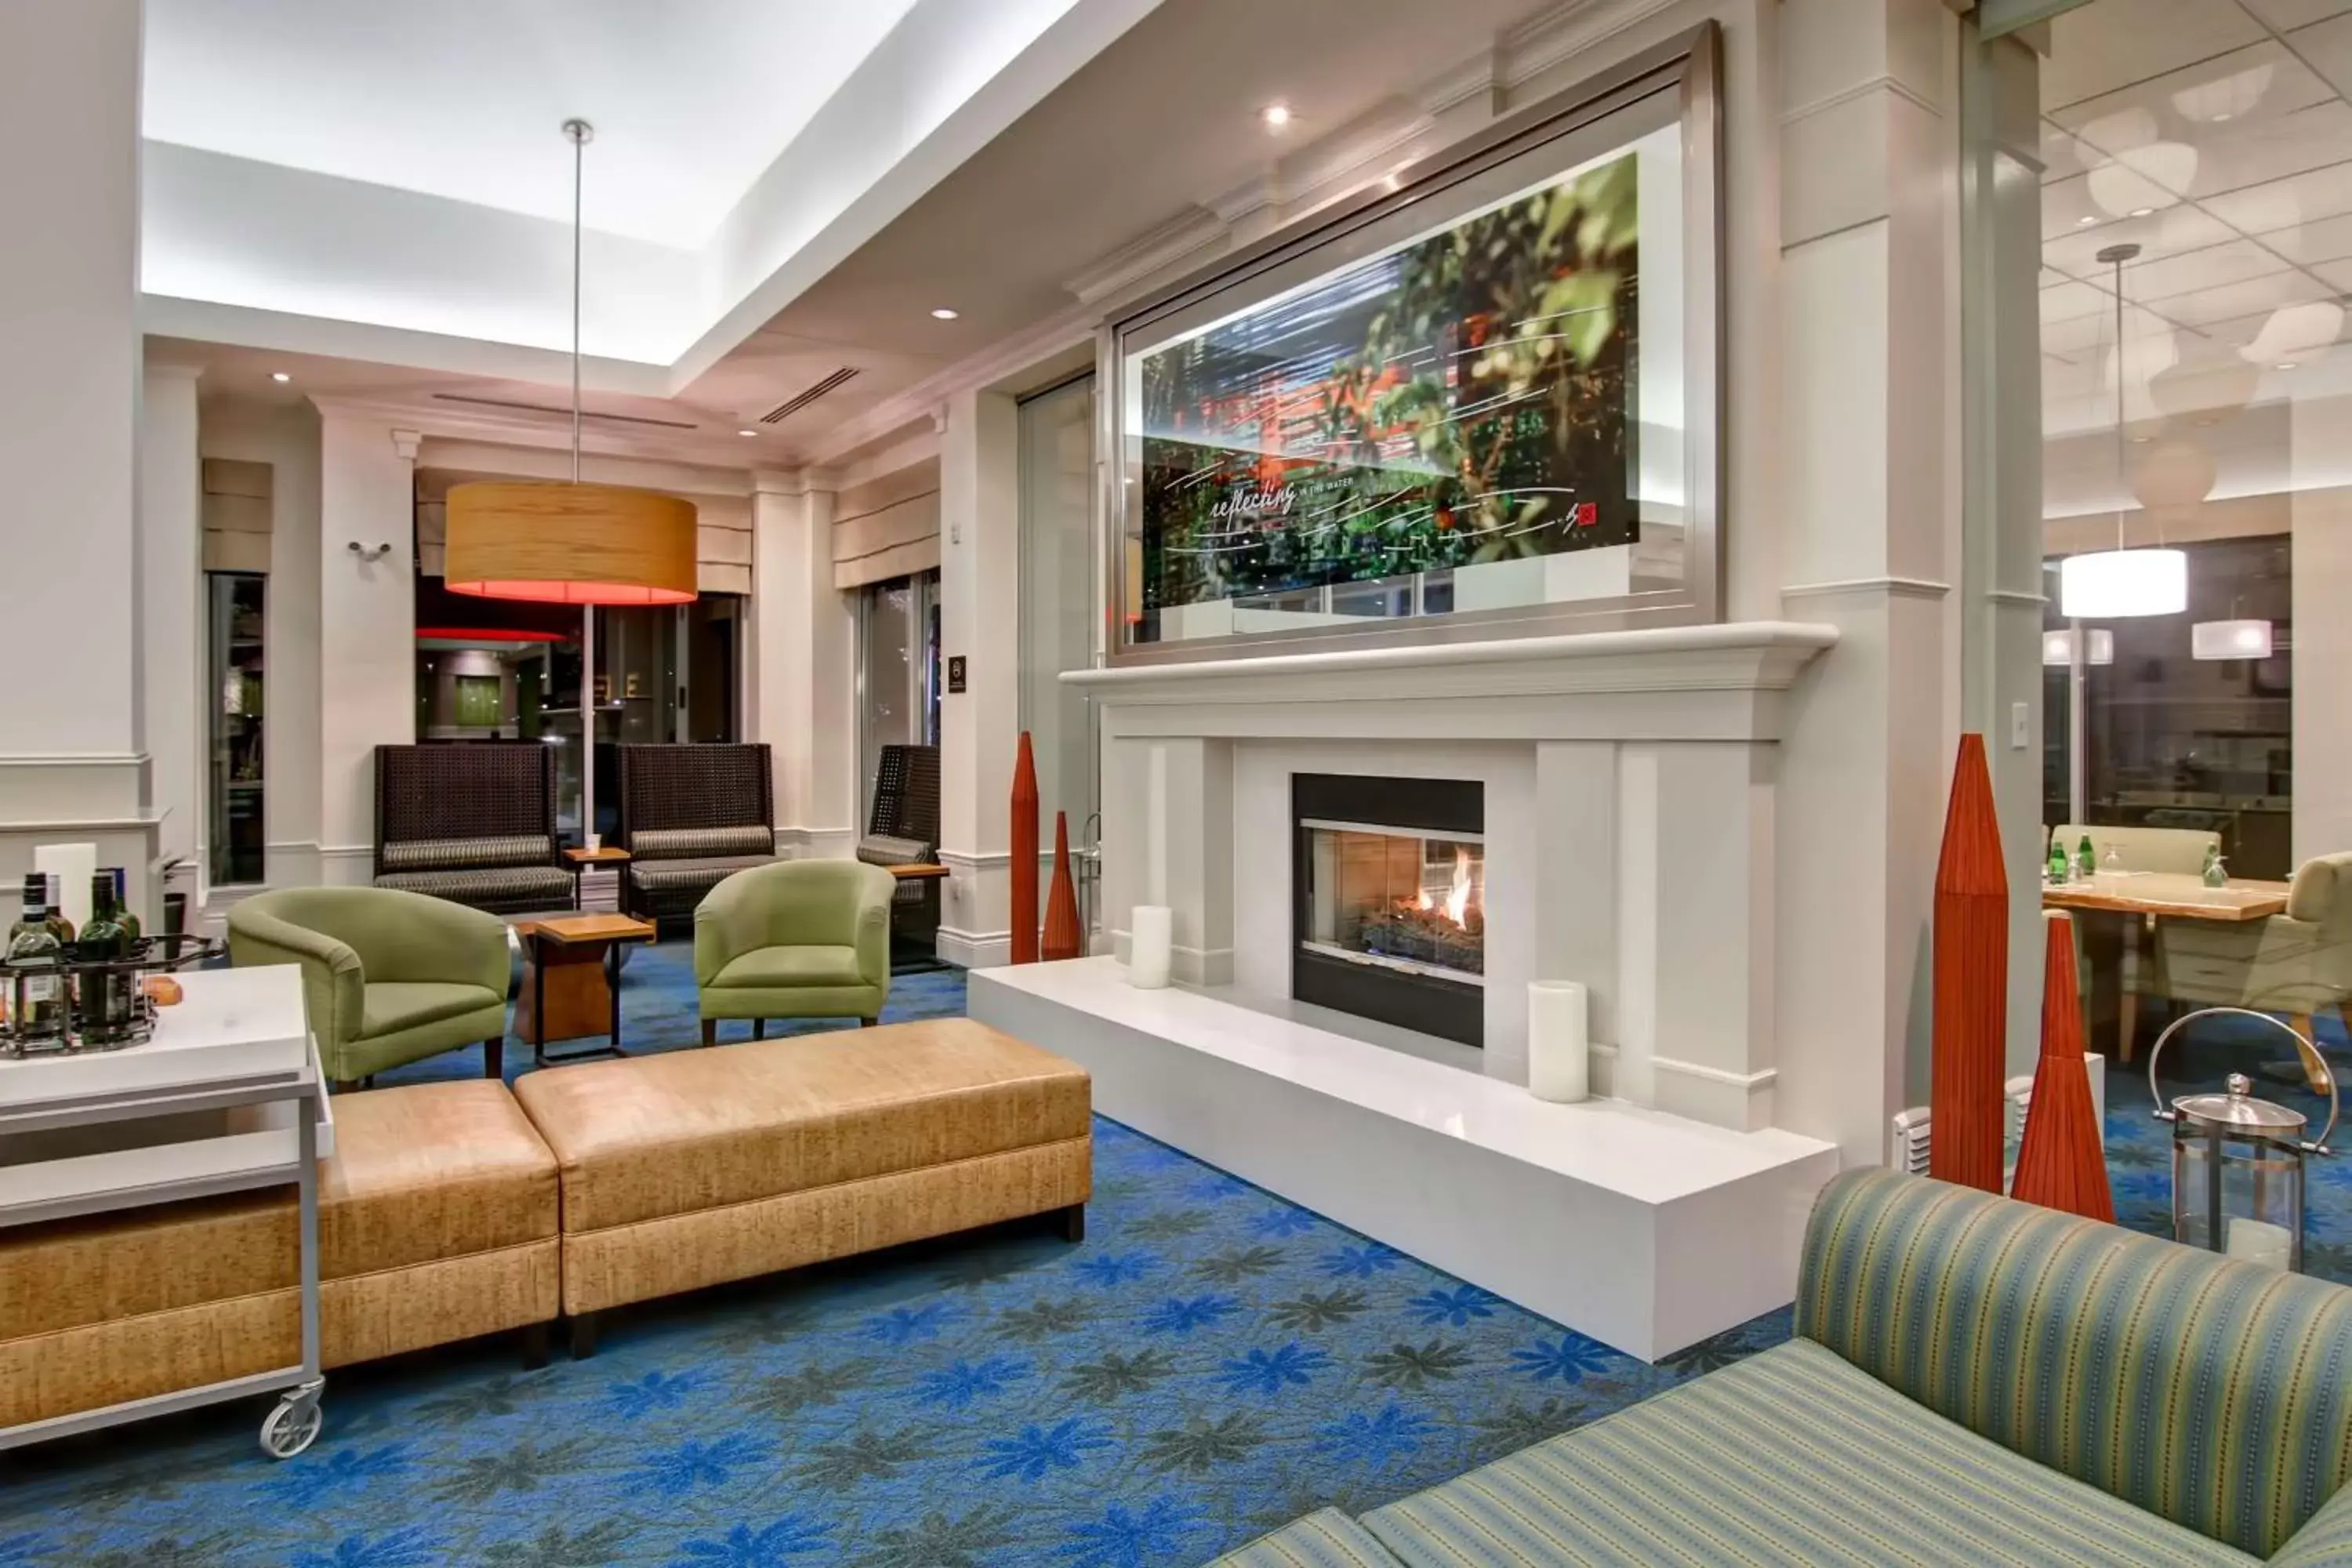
(2086, 863)
(122, 909)
(37, 1000)
(56, 917)
(105, 1002)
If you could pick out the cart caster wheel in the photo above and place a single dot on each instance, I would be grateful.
(294, 1424)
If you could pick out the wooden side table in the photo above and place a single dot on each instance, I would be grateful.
(571, 982)
(581, 860)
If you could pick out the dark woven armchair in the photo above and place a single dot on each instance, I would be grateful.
(472, 822)
(691, 817)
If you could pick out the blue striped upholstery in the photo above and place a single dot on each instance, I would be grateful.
(1328, 1539)
(2212, 1393)
(1791, 1457)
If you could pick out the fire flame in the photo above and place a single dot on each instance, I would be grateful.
(1458, 898)
(1457, 894)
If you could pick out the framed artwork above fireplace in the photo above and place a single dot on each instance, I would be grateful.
(1480, 402)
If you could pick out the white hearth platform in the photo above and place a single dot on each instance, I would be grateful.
(1644, 1230)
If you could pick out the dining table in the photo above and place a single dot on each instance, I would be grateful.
(2142, 899)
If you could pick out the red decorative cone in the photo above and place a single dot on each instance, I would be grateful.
(1062, 934)
(2061, 1164)
(1964, 1102)
(1024, 854)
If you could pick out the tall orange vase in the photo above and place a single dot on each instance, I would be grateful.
(1062, 934)
(1972, 956)
(1024, 854)
(2063, 1165)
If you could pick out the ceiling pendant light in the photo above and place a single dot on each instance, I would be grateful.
(572, 543)
(2230, 639)
(2107, 584)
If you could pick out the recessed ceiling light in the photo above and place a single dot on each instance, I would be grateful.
(747, 432)
(944, 314)
(2143, 211)
(1275, 115)
(2290, 365)
(2087, 219)
(280, 375)
(2221, 117)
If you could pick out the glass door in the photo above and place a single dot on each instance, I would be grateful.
(237, 623)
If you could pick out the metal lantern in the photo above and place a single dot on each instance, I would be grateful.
(2238, 1162)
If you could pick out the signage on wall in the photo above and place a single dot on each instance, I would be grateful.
(955, 674)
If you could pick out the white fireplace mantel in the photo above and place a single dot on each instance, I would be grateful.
(1695, 683)
(1630, 778)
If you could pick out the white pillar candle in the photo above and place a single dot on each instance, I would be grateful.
(1150, 946)
(72, 866)
(1558, 1059)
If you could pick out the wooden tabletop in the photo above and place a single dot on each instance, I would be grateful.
(916, 873)
(2169, 894)
(604, 855)
(573, 929)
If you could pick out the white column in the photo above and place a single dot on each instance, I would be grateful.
(980, 598)
(172, 701)
(367, 628)
(70, 765)
(2321, 432)
(1868, 502)
(803, 677)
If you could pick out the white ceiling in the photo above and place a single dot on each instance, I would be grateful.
(691, 99)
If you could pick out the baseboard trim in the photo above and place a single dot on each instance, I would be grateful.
(973, 949)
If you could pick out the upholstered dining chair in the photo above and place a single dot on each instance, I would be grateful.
(2180, 850)
(799, 939)
(390, 977)
(2298, 963)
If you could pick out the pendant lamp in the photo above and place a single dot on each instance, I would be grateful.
(2108, 584)
(572, 543)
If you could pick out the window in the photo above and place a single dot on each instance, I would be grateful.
(897, 672)
(235, 637)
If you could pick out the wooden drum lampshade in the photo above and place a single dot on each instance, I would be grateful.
(571, 544)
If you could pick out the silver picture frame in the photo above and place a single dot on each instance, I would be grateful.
(1687, 67)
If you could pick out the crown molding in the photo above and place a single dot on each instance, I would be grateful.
(1158, 249)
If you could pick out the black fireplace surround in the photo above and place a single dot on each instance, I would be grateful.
(1426, 1004)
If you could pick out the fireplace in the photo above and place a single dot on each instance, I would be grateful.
(1389, 918)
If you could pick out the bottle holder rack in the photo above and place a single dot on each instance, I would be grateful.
(74, 976)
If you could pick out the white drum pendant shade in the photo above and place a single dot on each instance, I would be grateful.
(2109, 584)
(2230, 639)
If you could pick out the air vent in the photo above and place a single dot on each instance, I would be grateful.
(563, 412)
(793, 406)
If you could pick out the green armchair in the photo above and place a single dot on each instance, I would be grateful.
(389, 977)
(799, 939)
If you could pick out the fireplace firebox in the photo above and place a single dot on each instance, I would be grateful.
(1389, 919)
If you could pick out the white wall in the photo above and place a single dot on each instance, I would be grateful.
(802, 668)
(980, 598)
(172, 701)
(70, 763)
(367, 629)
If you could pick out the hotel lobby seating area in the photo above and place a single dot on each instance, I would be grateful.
(1176, 783)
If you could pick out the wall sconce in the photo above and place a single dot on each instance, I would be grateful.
(368, 554)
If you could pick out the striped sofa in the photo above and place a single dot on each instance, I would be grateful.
(1971, 1380)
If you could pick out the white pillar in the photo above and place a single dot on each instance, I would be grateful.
(172, 674)
(803, 677)
(70, 767)
(980, 600)
(1867, 499)
(2320, 431)
(367, 628)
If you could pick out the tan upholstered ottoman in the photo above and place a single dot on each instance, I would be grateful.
(437, 1222)
(697, 1167)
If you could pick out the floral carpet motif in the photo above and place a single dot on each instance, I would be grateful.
(1212, 1362)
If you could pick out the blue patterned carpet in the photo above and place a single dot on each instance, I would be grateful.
(1211, 1362)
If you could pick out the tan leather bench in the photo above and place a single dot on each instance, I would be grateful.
(436, 1223)
(697, 1167)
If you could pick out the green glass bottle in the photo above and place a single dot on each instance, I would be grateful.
(104, 1008)
(122, 909)
(36, 1001)
(2087, 864)
(2057, 859)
